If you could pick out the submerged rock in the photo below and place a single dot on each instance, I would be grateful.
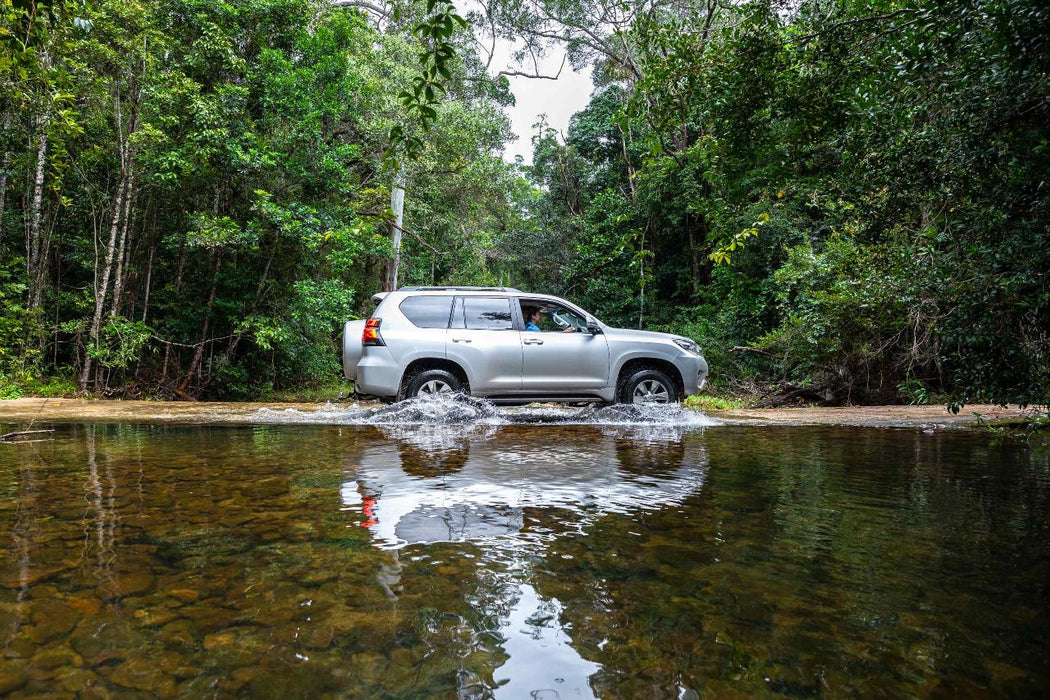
(144, 675)
(12, 677)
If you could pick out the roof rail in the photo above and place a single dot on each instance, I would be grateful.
(459, 289)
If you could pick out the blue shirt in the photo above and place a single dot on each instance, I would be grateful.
(530, 326)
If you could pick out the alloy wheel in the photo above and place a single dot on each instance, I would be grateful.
(650, 391)
(435, 387)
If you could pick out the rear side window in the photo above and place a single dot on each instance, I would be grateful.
(427, 311)
(487, 313)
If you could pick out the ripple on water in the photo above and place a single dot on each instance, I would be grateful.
(459, 409)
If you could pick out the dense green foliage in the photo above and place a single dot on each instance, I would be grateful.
(855, 190)
(846, 196)
(213, 199)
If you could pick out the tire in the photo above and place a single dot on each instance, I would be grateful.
(432, 382)
(648, 386)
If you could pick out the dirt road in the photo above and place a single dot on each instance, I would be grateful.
(19, 412)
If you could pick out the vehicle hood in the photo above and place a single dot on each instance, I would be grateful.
(628, 333)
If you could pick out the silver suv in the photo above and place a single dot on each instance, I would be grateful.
(511, 347)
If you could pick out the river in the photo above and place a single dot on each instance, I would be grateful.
(461, 550)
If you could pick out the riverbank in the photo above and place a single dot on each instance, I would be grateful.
(25, 410)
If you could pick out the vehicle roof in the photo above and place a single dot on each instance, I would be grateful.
(509, 290)
(471, 291)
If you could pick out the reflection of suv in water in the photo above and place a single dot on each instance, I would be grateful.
(437, 340)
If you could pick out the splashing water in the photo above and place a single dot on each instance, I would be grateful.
(458, 409)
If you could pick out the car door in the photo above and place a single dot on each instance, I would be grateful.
(559, 362)
(484, 341)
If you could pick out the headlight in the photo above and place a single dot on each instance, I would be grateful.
(687, 345)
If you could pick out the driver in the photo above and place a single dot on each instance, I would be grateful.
(532, 316)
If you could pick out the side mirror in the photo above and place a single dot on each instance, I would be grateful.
(592, 327)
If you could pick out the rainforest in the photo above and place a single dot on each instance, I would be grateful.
(840, 201)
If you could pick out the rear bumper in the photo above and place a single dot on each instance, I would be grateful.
(378, 373)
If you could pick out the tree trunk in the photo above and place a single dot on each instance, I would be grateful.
(236, 339)
(397, 206)
(36, 256)
(122, 249)
(149, 278)
(118, 224)
(198, 354)
(107, 271)
(4, 139)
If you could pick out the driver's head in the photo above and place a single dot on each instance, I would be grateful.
(531, 313)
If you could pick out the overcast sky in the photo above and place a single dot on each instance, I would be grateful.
(558, 99)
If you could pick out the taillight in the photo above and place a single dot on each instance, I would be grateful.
(371, 335)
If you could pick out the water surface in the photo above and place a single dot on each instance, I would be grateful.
(535, 553)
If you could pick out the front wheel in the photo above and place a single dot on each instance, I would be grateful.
(433, 382)
(648, 386)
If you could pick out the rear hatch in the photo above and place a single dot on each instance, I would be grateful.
(352, 348)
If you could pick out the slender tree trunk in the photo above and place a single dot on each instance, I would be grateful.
(36, 258)
(43, 268)
(694, 255)
(627, 159)
(4, 139)
(236, 339)
(149, 278)
(397, 206)
(122, 249)
(198, 354)
(118, 225)
(107, 270)
(179, 275)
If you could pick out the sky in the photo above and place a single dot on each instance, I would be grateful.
(558, 99)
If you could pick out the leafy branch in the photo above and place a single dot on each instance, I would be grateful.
(722, 254)
(436, 57)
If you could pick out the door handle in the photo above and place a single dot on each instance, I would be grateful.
(461, 340)
(533, 341)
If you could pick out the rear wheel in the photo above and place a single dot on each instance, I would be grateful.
(648, 386)
(433, 382)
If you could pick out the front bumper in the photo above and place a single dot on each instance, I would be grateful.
(694, 373)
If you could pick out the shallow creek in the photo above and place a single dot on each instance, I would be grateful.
(456, 549)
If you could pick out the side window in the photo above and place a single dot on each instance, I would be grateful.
(547, 317)
(427, 311)
(487, 313)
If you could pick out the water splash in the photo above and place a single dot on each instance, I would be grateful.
(460, 410)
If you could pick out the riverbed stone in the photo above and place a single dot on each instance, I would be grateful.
(209, 617)
(100, 643)
(85, 604)
(219, 640)
(80, 681)
(51, 619)
(12, 676)
(133, 583)
(180, 634)
(174, 664)
(155, 617)
(55, 657)
(144, 675)
(43, 591)
(184, 595)
(15, 578)
(20, 647)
